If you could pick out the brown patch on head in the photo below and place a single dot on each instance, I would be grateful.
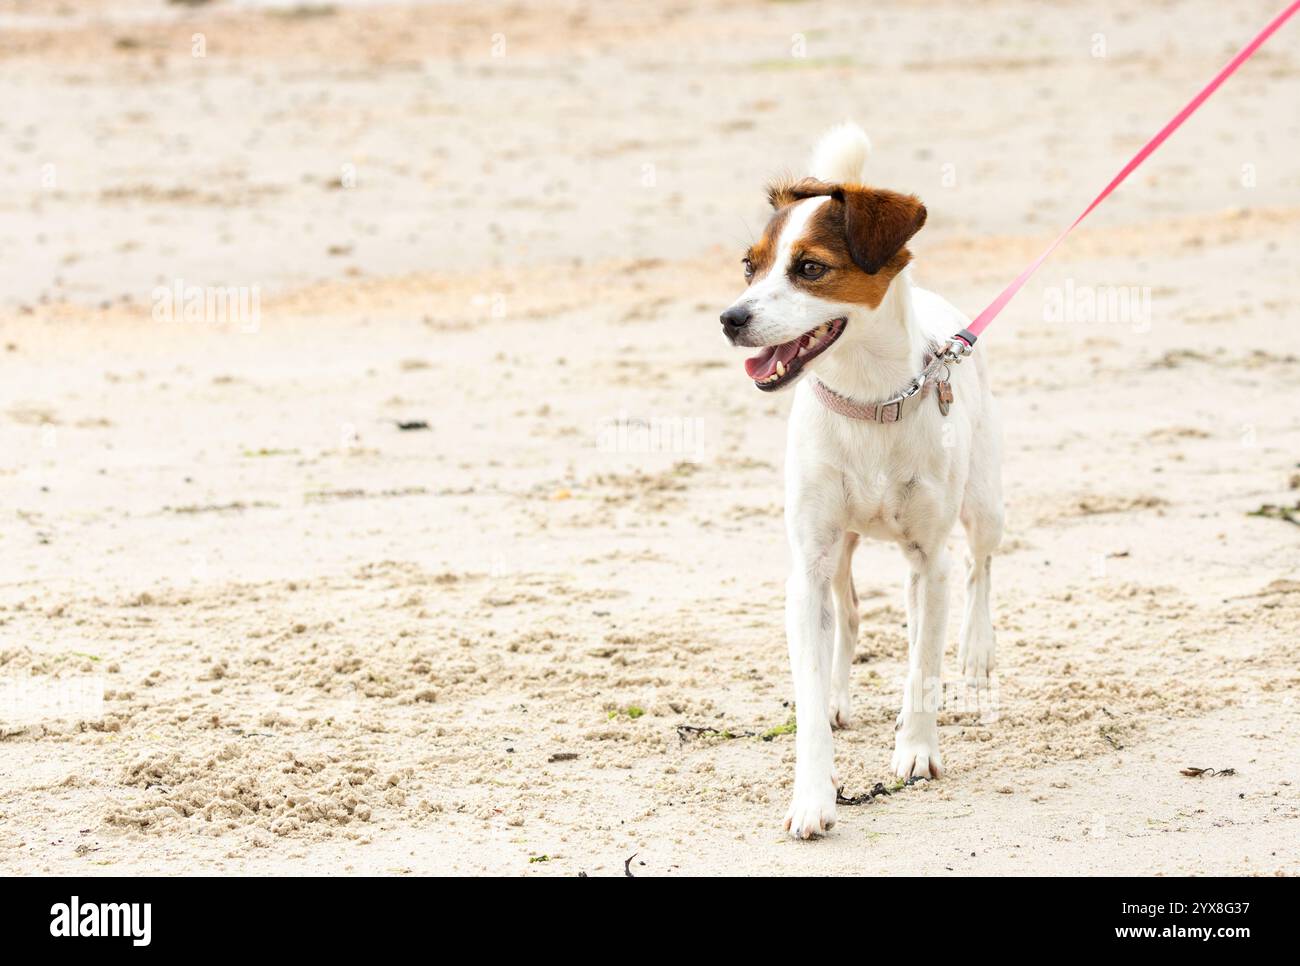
(783, 193)
(859, 235)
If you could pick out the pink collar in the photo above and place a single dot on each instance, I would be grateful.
(891, 410)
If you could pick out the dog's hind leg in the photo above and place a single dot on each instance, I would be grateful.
(846, 634)
(981, 516)
(916, 735)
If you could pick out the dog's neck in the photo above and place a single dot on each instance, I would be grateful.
(882, 351)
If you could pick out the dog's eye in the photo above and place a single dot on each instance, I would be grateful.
(749, 267)
(811, 270)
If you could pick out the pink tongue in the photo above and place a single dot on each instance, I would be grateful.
(764, 364)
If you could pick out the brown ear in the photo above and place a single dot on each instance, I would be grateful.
(878, 223)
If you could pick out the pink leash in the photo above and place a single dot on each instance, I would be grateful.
(981, 322)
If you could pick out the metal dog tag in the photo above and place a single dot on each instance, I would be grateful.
(943, 392)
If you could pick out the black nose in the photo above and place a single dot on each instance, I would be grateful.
(735, 318)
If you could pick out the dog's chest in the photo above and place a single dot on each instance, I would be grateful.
(881, 504)
(894, 485)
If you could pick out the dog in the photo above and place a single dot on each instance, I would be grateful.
(832, 304)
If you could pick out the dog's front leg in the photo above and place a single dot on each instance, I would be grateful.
(810, 632)
(916, 736)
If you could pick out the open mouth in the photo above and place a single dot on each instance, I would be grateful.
(777, 365)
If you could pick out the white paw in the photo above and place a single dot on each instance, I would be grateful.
(839, 709)
(812, 813)
(916, 748)
(975, 656)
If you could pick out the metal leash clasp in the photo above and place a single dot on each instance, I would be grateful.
(891, 410)
(955, 350)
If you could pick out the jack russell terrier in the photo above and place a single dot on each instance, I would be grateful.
(889, 438)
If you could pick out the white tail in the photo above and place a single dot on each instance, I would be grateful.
(841, 154)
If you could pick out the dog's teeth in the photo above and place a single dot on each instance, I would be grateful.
(780, 368)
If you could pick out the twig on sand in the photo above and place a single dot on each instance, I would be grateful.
(687, 732)
(627, 865)
(1193, 772)
(867, 796)
(877, 790)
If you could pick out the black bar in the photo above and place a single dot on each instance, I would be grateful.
(298, 916)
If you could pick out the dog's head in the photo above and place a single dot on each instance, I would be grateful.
(823, 265)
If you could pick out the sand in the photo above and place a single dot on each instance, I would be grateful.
(330, 645)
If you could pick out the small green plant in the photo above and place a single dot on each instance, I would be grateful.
(1289, 514)
(788, 728)
(538, 858)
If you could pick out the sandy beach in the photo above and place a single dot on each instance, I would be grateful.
(456, 546)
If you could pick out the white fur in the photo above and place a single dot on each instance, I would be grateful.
(908, 482)
(841, 154)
